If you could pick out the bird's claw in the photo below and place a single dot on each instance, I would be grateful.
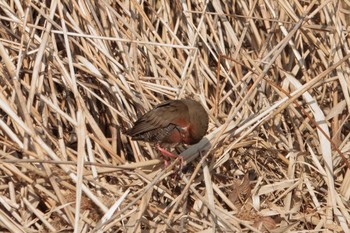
(166, 153)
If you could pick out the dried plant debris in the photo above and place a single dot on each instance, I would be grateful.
(273, 77)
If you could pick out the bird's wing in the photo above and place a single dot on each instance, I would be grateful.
(159, 117)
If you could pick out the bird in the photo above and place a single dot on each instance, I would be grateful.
(173, 122)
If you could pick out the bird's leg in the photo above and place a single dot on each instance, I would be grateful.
(169, 154)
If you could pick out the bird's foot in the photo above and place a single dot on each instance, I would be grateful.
(166, 153)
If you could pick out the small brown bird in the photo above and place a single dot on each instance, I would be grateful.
(172, 122)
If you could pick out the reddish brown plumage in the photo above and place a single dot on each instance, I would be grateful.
(172, 122)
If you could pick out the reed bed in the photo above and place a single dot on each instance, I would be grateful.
(274, 77)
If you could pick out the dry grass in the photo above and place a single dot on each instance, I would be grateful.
(75, 75)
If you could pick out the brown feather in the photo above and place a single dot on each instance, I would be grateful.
(174, 121)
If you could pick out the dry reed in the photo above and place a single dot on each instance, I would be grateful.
(274, 77)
